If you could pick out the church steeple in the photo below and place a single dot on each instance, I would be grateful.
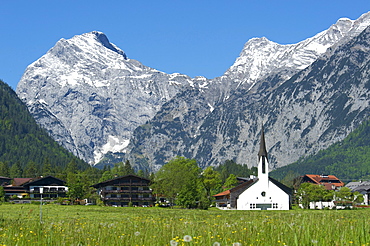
(262, 152)
(262, 158)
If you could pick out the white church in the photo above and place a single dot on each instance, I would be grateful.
(257, 193)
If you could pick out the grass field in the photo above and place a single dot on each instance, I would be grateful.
(94, 225)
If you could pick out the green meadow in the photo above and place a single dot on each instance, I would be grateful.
(95, 225)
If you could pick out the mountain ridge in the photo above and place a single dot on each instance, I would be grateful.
(97, 101)
(302, 114)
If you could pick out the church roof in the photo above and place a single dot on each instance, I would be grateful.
(245, 185)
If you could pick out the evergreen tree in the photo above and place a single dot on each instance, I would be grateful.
(47, 169)
(30, 171)
(140, 173)
(72, 167)
(230, 167)
(16, 171)
(128, 168)
(4, 169)
(107, 175)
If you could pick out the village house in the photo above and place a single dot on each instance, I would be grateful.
(15, 188)
(125, 191)
(5, 180)
(257, 193)
(49, 187)
(363, 187)
(330, 182)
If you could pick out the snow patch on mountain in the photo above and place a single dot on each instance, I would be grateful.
(114, 144)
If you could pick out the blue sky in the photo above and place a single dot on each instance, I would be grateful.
(189, 37)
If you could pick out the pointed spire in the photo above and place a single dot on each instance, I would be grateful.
(262, 151)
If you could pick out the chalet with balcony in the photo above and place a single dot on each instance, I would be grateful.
(126, 190)
(48, 187)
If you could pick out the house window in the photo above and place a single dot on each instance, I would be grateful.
(252, 206)
(274, 205)
(263, 165)
(263, 193)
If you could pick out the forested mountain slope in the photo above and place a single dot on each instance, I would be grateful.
(23, 142)
(348, 159)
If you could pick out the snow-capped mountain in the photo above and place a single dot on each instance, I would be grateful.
(225, 125)
(260, 57)
(90, 96)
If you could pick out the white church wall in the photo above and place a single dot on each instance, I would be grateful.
(259, 195)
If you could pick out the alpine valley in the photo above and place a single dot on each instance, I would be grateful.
(98, 103)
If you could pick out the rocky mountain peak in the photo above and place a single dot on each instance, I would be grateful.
(92, 98)
(102, 38)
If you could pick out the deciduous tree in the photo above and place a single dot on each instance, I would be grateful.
(179, 178)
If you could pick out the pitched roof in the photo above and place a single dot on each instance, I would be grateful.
(50, 180)
(359, 186)
(224, 193)
(250, 182)
(327, 180)
(107, 182)
(20, 181)
(283, 187)
(243, 186)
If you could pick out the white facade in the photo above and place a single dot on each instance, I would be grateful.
(261, 196)
(47, 189)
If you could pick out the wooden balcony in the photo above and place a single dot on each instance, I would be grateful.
(127, 199)
(127, 183)
(49, 191)
(104, 191)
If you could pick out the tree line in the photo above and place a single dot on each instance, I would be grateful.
(180, 180)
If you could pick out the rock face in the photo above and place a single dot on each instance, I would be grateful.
(94, 100)
(222, 120)
(91, 97)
